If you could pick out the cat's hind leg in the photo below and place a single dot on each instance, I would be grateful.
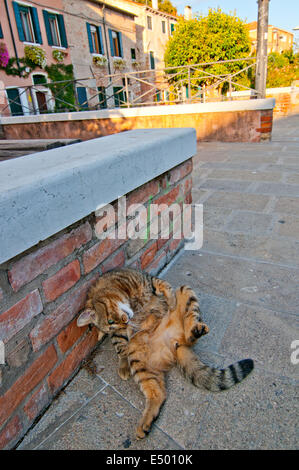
(153, 388)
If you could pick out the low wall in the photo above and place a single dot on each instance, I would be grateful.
(43, 284)
(286, 99)
(231, 121)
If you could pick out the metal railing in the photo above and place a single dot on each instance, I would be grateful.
(172, 85)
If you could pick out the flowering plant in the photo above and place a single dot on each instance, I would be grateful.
(119, 64)
(99, 61)
(4, 56)
(58, 55)
(36, 55)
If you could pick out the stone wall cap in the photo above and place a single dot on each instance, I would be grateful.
(45, 192)
(120, 113)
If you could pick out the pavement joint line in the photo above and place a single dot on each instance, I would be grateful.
(269, 231)
(74, 414)
(251, 260)
(140, 411)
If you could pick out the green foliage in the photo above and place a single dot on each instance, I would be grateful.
(64, 91)
(35, 56)
(283, 69)
(215, 37)
(163, 5)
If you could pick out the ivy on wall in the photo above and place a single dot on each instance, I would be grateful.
(63, 91)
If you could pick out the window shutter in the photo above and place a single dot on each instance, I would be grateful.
(82, 96)
(62, 31)
(47, 26)
(99, 29)
(111, 42)
(120, 43)
(36, 27)
(89, 37)
(1, 32)
(18, 21)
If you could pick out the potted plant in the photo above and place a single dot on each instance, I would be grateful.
(119, 64)
(4, 56)
(99, 60)
(58, 55)
(35, 55)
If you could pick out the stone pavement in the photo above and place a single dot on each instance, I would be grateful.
(247, 278)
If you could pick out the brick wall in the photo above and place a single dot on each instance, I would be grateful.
(234, 126)
(43, 289)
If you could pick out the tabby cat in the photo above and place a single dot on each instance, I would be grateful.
(152, 329)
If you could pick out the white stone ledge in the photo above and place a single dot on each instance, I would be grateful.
(45, 192)
(197, 108)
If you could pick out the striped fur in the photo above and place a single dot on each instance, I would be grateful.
(153, 329)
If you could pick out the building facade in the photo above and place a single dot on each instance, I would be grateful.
(279, 40)
(94, 42)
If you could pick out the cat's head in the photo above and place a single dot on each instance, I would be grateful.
(107, 311)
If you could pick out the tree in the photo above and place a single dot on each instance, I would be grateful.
(283, 69)
(215, 37)
(163, 5)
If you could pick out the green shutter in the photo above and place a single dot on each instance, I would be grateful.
(89, 37)
(1, 32)
(62, 31)
(47, 26)
(82, 97)
(18, 21)
(111, 42)
(36, 27)
(14, 101)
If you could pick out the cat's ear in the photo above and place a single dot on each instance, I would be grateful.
(86, 317)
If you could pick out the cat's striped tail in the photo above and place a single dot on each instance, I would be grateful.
(208, 377)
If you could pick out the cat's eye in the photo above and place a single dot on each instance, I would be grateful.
(110, 322)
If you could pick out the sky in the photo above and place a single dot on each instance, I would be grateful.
(282, 13)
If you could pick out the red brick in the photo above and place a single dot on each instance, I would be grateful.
(32, 265)
(266, 119)
(65, 370)
(159, 262)
(168, 198)
(53, 322)
(27, 382)
(37, 402)
(265, 125)
(16, 317)
(148, 256)
(188, 198)
(62, 281)
(99, 252)
(143, 193)
(179, 172)
(263, 130)
(187, 185)
(173, 245)
(70, 335)
(116, 261)
(10, 432)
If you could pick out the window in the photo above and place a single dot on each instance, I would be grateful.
(39, 79)
(171, 28)
(55, 29)
(95, 40)
(27, 23)
(1, 32)
(102, 97)
(163, 27)
(133, 54)
(152, 60)
(115, 43)
(149, 22)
